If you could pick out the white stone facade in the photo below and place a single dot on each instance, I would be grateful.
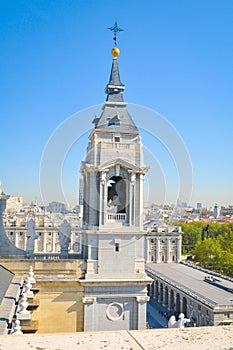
(47, 241)
(164, 244)
(115, 284)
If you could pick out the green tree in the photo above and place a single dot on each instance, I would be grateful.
(208, 252)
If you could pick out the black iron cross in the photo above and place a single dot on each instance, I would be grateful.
(115, 29)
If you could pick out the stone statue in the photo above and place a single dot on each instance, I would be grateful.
(172, 323)
(64, 238)
(31, 237)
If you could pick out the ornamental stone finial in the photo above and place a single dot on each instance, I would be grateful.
(22, 307)
(27, 288)
(17, 328)
(31, 275)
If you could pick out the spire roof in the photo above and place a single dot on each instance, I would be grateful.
(115, 115)
(115, 88)
(115, 75)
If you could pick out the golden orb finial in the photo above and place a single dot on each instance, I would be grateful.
(115, 52)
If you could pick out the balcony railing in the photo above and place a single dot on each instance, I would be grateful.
(116, 217)
(118, 145)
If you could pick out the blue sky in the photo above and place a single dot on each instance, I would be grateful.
(176, 58)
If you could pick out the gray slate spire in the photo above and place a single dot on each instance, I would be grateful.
(115, 115)
(115, 88)
(115, 75)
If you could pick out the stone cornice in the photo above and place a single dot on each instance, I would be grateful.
(124, 282)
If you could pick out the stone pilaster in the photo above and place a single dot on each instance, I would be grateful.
(141, 317)
(178, 249)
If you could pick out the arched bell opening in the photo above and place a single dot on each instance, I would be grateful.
(116, 199)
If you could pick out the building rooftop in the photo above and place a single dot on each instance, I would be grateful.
(192, 280)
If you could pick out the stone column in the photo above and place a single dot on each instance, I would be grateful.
(161, 290)
(93, 203)
(141, 187)
(132, 199)
(105, 199)
(70, 248)
(45, 242)
(36, 245)
(24, 241)
(178, 249)
(95, 149)
(158, 250)
(169, 299)
(53, 242)
(181, 304)
(102, 198)
(89, 251)
(148, 250)
(16, 238)
(168, 250)
(189, 309)
(84, 218)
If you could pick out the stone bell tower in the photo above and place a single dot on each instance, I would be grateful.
(115, 284)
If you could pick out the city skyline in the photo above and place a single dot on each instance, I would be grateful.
(176, 59)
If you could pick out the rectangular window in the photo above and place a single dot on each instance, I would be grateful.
(117, 138)
(117, 247)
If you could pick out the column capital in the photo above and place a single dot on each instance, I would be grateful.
(103, 177)
(132, 178)
(89, 300)
(142, 298)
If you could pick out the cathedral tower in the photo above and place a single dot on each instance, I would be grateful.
(115, 284)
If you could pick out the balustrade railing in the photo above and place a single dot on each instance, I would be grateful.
(117, 145)
(116, 217)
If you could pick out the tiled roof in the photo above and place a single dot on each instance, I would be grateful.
(123, 122)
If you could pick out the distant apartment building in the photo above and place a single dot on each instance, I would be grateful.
(56, 207)
(47, 230)
(14, 204)
(224, 211)
(164, 244)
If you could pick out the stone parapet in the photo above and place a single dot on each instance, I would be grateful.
(214, 338)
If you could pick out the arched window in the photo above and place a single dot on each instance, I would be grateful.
(117, 194)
